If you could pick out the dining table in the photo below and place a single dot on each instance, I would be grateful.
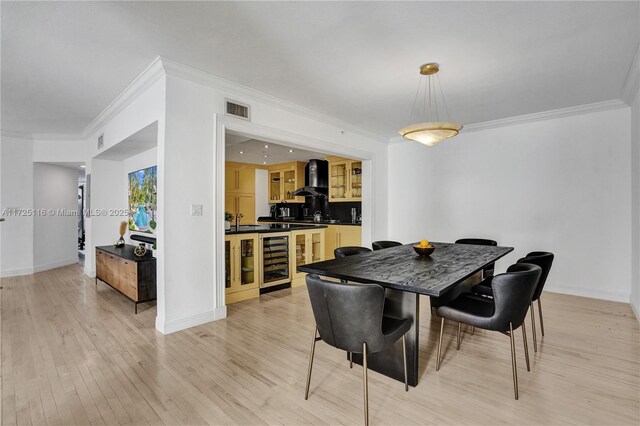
(405, 275)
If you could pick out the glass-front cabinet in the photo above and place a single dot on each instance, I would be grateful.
(284, 179)
(241, 261)
(275, 186)
(345, 179)
(307, 247)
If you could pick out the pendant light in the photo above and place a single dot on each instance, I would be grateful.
(430, 132)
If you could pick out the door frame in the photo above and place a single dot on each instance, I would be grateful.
(223, 123)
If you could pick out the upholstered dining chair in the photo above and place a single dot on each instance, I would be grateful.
(380, 245)
(544, 260)
(349, 251)
(512, 293)
(488, 270)
(350, 318)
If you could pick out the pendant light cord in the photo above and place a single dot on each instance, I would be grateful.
(443, 99)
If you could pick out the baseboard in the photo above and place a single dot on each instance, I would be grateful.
(169, 327)
(594, 294)
(635, 309)
(16, 272)
(54, 265)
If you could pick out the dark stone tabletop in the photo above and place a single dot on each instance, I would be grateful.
(401, 267)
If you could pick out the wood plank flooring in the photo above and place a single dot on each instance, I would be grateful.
(74, 354)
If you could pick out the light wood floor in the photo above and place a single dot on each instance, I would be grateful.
(74, 355)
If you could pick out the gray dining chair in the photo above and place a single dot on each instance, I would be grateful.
(505, 312)
(350, 317)
(381, 245)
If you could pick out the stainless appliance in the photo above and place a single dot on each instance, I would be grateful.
(274, 257)
(316, 179)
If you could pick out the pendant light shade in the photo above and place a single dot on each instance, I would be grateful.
(430, 132)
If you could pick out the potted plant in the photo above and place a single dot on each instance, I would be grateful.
(228, 217)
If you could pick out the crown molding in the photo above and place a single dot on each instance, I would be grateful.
(142, 82)
(546, 115)
(16, 135)
(237, 91)
(538, 116)
(631, 85)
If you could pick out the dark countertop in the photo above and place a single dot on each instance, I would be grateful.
(262, 229)
(126, 252)
(322, 222)
(401, 268)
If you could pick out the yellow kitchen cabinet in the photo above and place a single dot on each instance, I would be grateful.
(240, 178)
(341, 236)
(241, 267)
(284, 179)
(240, 186)
(306, 247)
(345, 179)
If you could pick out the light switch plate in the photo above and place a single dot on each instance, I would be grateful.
(196, 209)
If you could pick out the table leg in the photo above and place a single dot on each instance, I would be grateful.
(398, 304)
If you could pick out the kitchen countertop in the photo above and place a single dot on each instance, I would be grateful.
(262, 229)
(311, 221)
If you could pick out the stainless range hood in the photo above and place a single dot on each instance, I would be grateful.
(316, 178)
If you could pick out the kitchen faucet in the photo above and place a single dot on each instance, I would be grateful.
(238, 217)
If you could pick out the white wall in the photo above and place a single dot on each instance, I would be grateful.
(59, 150)
(16, 192)
(189, 156)
(635, 212)
(262, 193)
(55, 236)
(134, 163)
(560, 185)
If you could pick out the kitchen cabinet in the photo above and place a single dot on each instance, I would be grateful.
(241, 267)
(284, 179)
(240, 187)
(306, 247)
(341, 236)
(345, 179)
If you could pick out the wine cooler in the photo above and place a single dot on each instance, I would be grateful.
(275, 259)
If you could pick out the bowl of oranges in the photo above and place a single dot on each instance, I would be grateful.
(424, 248)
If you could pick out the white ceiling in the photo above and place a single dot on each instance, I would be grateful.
(63, 62)
(254, 151)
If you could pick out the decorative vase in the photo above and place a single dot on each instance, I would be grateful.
(227, 225)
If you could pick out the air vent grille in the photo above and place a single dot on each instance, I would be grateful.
(100, 141)
(237, 110)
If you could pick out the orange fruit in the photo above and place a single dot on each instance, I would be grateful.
(424, 243)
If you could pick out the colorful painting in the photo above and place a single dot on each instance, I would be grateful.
(143, 200)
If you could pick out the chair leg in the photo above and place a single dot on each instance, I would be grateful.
(313, 350)
(526, 346)
(366, 384)
(404, 362)
(513, 361)
(540, 314)
(473, 330)
(439, 345)
(533, 328)
(458, 338)
(350, 359)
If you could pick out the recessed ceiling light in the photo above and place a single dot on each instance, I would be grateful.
(266, 146)
(265, 156)
(241, 152)
(83, 166)
(264, 162)
(290, 150)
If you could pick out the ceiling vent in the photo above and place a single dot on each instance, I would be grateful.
(237, 110)
(100, 141)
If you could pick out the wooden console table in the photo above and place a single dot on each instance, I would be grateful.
(133, 276)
